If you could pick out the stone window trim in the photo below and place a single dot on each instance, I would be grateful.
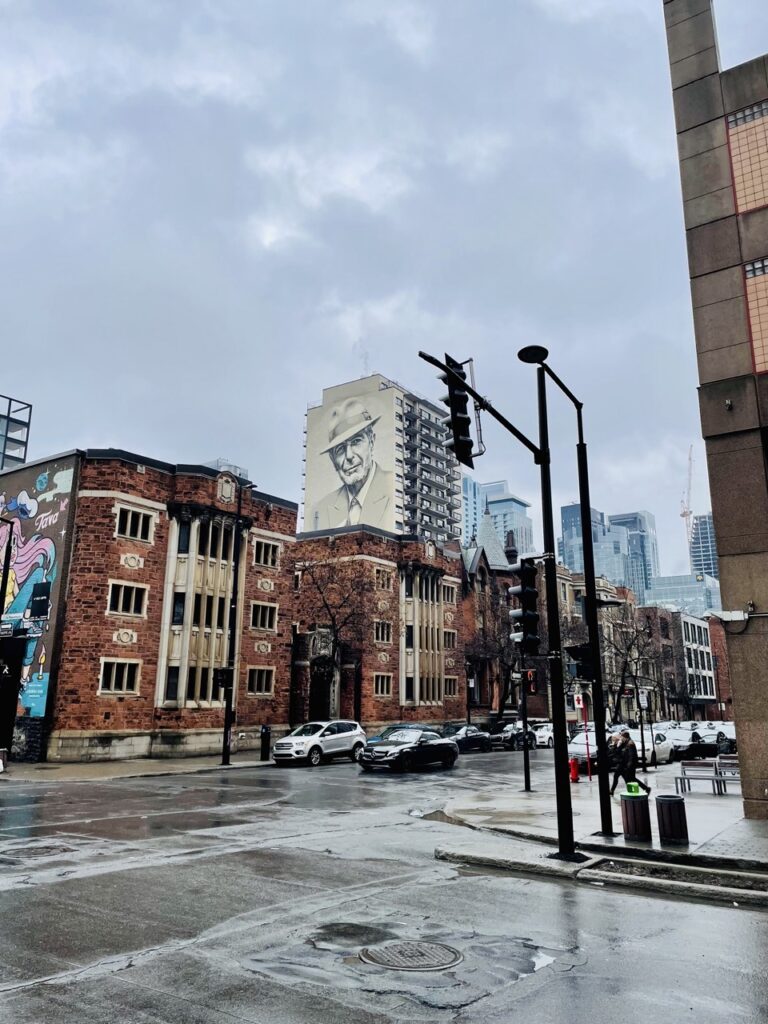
(266, 553)
(451, 686)
(114, 680)
(384, 579)
(382, 684)
(134, 523)
(119, 596)
(449, 593)
(260, 681)
(449, 639)
(268, 615)
(382, 631)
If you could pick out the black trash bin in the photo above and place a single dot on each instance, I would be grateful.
(266, 742)
(673, 824)
(636, 817)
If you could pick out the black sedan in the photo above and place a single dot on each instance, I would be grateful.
(406, 749)
(468, 737)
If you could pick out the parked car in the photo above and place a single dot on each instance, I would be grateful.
(682, 735)
(545, 735)
(658, 749)
(408, 748)
(583, 747)
(513, 737)
(394, 727)
(316, 742)
(467, 737)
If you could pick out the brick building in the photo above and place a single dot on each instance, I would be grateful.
(132, 562)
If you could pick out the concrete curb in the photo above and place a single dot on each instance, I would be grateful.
(670, 887)
(543, 866)
(151, 774)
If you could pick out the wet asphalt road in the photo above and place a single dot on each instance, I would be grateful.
(246, 896)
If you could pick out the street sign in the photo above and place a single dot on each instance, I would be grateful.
(516, 675)
(644, 700)
(578, 700)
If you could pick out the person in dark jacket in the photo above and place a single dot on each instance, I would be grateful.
(629, 761)
(615, 758)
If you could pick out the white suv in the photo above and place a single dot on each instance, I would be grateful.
(316, 742)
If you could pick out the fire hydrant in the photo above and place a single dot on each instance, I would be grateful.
(574, 766)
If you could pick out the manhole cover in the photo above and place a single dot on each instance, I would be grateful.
(412, 956)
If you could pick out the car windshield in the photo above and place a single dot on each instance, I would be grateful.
(310, 729)
(404, 736)
(451, 730)
(581, 740)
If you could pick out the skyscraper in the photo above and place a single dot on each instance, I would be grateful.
(703, 547)
(610, 544)
(374, 455)
(508, 512)
(643, 548)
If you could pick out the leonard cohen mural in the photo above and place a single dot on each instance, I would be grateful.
(36, 505)
(351, 455)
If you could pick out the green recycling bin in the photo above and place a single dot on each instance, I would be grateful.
(636, 814)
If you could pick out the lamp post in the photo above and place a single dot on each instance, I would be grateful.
(537, 354)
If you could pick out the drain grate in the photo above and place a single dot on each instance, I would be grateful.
(412, 956)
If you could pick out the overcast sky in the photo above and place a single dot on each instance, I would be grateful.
(211, 209)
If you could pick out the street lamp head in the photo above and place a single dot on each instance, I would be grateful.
(533, 354)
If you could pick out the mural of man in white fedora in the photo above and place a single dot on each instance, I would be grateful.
(367, 491)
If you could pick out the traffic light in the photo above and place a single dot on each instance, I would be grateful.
(531, 683)
(459, 419)
(581, 656)
(527, 615)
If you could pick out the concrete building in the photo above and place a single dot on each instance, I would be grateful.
(722, 134)
(508, 512)
(704, 546)
(643, 562)
(694, 593)
(610, 545)
(401, 479)
(15, 418)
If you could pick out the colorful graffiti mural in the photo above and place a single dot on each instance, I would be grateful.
(36, 506)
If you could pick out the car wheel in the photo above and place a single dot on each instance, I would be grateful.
(406, 763)
(449, 761)
(357, 750)
(366, 767)
(315, 757)
(654, 762)
(550, 742)
(671, 756)
(487, 747)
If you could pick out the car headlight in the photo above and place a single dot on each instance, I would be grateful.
(393, 753)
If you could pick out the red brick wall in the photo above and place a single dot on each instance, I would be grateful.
(722, 671)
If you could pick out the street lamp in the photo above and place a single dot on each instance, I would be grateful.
(537, 355)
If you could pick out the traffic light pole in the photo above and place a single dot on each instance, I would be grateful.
(554, 657)
(524, 714)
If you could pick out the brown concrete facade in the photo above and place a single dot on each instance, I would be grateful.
(721, 119)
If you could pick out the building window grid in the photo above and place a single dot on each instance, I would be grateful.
(264, 616)
(265, 553)
(261, 681)
(382, 685)
(747, 114)
(450, 688)
(384, 579)
(449, 639)
(127, 599)
(119, 675)
(134, 525)
(382, 631)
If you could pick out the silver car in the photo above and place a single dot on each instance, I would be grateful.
(316, 742)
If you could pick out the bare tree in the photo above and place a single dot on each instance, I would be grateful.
(629, 656)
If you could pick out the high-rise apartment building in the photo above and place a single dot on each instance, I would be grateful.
(643, 548)
(703, 546)
(722, 138)
(15, 417)
(375, 455)
(610, 544)
(694, 593)
(508, 513)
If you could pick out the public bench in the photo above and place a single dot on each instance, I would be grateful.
(728, 766)
(700, 771)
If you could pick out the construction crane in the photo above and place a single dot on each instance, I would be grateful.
(685, 505)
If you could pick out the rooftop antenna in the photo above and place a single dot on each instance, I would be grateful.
(685, 507)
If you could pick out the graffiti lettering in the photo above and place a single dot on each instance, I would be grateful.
(45, 520)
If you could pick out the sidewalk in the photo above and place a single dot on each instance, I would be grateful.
(101, 771)
(719, 834)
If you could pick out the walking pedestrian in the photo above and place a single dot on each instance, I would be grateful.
(615, 758)
(629, 761)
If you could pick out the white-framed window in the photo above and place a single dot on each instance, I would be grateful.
(135, 525)
(382, 632)
(126, 599)
(383, 579)
(449, 639)
(266, 553)
(451, 686)
(263, 616)
(382, 685)
(261, 681)
(449, 593)
(119, 675)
